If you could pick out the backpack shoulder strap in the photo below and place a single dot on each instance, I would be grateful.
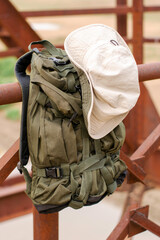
(24, 80)
(47, 45)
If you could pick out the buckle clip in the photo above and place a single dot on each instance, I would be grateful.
(59, 61)
(54, 172)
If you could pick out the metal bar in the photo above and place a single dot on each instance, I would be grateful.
(14, 51)
(134, 197)
(152, 9)
(141, 220)
(121, 230)
(149, 146)
(9, 161)
(19, 30)
(3, 33)
(10, 197)
(45, 226)
(12, 180)
(76, 12)
(151, 40)
(134, 228)
(10, 93)
(149, 71)
(138, 30)
(142, 156)
(122, 19)
(133, 168)
(6, 39)
(10, 190)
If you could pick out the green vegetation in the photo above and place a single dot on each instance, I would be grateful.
(7, 70)
(7, 76)
(13, 114)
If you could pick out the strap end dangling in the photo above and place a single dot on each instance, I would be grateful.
(19, 167)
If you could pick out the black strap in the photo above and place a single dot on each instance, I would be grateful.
(24, 80)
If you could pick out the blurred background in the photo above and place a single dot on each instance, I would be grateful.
(98, 221)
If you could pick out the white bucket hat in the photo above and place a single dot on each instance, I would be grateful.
(108, 75)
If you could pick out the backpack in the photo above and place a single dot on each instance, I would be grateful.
(69, 168)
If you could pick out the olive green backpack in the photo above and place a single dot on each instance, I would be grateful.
(69, 168)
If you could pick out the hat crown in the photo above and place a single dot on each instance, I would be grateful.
(108, 64)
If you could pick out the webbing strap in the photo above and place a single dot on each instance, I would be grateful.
(86, 147)
(41, 172)
(41, 98)
(59, 83)
(68, 98)
(27, 178)
(69, 140)
(24, 80)
(51, 48)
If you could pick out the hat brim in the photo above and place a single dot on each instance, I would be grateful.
(80, 49)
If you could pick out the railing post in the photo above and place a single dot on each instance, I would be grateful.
(138, 30)
(45, 226)
(122, 19)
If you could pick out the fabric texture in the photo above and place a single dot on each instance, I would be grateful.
(108, 75)
(69, 168)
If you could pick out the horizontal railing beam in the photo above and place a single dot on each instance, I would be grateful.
(151, 9)
(149, 71)
(64, 12)
(11, 92)
(117, 10)
(10, 197)
(14, 51)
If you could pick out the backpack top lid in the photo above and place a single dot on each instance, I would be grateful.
(108, 75)
(69, 168)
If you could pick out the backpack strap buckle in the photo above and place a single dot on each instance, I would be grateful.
(54, 172)
(58, 61)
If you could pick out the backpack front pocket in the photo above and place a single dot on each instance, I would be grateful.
(51, 141)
